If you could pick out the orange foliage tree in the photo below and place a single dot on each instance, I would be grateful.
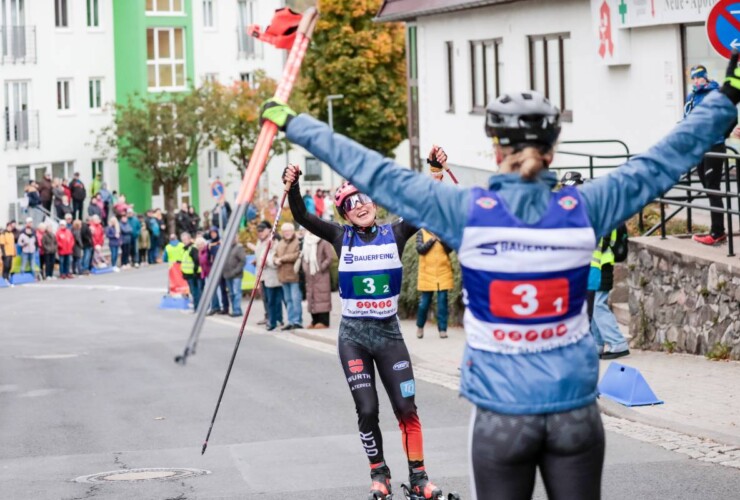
(351, 54)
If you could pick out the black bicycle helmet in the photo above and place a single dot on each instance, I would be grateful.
(526, 117)
(572, 178)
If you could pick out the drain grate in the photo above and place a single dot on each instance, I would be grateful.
(150, 474)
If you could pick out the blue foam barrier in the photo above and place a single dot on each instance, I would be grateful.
(22, 278)
(626, 385)
(4, 283)
(169, 302)
(101, 270)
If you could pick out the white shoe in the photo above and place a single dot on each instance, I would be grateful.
(116, 269)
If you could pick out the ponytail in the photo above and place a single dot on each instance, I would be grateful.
(529, 161)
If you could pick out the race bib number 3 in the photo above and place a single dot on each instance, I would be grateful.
(529, 299)
(371, 286)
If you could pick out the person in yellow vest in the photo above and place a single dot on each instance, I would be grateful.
(173, 256)
(190, 267)
(7, 250)
(435, 269)
(609, 250)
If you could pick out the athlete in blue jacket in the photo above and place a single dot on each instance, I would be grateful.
(530, 366)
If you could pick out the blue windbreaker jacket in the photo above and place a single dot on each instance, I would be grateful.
(443, 209)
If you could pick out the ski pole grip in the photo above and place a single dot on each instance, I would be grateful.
(308, 22)
(287, 186)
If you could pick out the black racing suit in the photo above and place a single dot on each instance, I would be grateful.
(367, 343)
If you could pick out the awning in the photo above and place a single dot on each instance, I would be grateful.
(406, 10)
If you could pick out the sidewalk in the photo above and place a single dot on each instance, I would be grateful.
(702, 397)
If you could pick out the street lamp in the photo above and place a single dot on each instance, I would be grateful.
(330, 107)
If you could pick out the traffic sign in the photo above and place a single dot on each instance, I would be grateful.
(217, 189)
(723, 27)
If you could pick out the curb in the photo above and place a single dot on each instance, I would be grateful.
(614, 409)
(606, 406)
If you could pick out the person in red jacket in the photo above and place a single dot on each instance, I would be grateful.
(98, 233)
(65, 247)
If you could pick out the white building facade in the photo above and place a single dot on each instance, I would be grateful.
(56, 72)
(616, 68)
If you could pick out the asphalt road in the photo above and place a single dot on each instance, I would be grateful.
(88, 385)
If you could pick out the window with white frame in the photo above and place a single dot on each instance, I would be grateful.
(98, 167)
(93, 17)
(210, 77)
(61, 14)
(550, 70)
(247, 77)
(165, 58)
(486, 70)
(208, 9)
(62, 169)
(63, 95)
(313, 170)
(213, 170)
(95, 91)
(450, 62)
(164, 7)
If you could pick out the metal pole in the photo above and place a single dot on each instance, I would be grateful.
(330, 108)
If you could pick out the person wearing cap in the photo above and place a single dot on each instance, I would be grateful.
(7, 250)
(272, 290)
(28, 244)
(530, 366)
(710, 170)
(65, 248)
(609, 251)
(287, 253)
(79, 193)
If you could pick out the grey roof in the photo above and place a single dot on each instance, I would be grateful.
(406, 10)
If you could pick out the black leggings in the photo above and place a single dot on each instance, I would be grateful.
(567, 447)
(710, 174)
(360, 352)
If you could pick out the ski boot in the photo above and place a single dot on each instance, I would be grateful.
(381, 487)
(420, 487)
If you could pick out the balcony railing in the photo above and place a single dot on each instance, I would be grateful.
(21, 129)
(247, 48)
(17, 44)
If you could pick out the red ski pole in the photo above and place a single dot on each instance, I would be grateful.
(249, 183)
(246, 314)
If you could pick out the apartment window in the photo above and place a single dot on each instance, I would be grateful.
(208, 21)
(210, 77)
(93, 18)
(165, 58)
(247, 77)
(61, 14)
(449, 61)
(98, 168)
(213, 170)
(16, 113)
(550, 70)
(164, 7)
(95, 93)
(63, 95)
(62, 169)
(486, 71)
(245, 17)
(313, 170)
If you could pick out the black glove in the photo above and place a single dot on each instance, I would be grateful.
(295, 183)
(731, 87)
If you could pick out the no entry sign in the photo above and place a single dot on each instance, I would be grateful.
(723, 27)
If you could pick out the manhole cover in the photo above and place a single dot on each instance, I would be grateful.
(151, 474)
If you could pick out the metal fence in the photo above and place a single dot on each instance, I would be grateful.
(17, 44)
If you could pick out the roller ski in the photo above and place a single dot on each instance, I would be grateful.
(381, 487)
(420, 487)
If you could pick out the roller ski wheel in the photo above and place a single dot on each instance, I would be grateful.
(453, 496)
(436, 494)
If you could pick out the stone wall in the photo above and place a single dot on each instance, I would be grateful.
(682, 302)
